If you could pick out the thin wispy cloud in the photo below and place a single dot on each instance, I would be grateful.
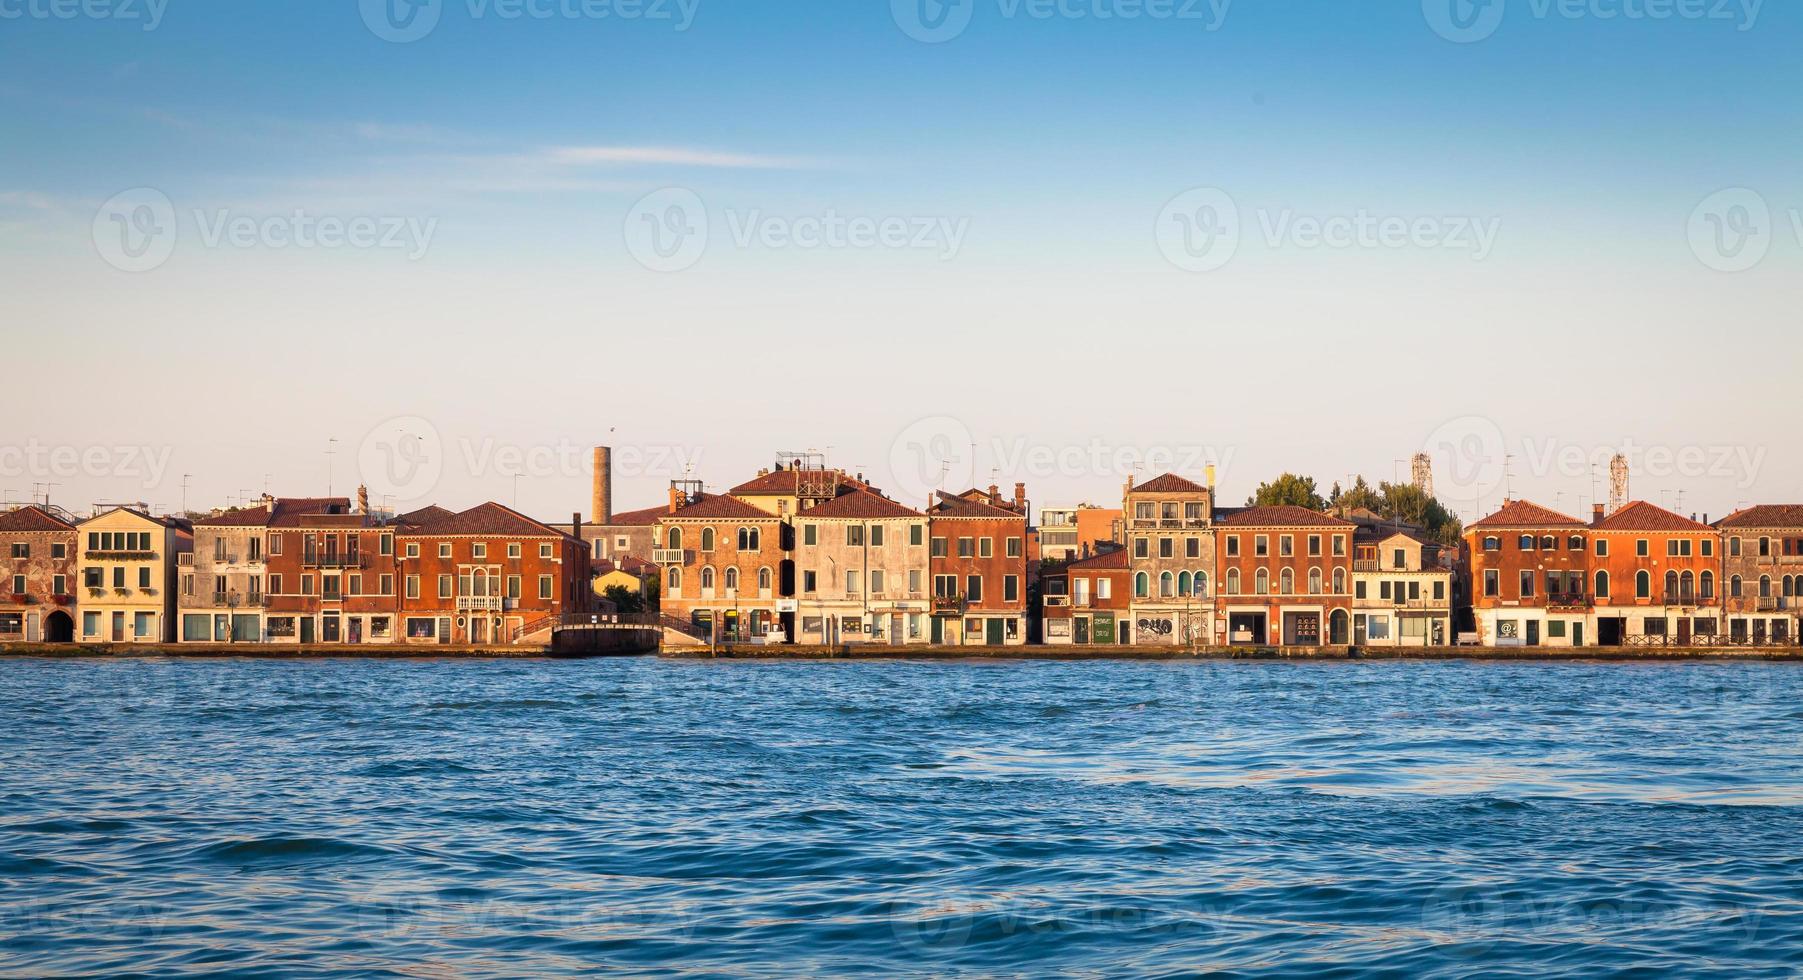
(669, 156)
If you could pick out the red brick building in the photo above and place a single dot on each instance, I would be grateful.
(1530, 574)
(727, 567)
(978, 561)
(486, 575)
(1654, 577)
(36, 603)
(1089, 600)
(1285, 577)
(331, 574)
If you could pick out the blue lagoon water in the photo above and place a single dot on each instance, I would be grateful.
(352, 818)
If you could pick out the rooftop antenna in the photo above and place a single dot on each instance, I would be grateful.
(1508, 476)
(43, 489)
(331, 450)
(185, 478)
(1423, 468)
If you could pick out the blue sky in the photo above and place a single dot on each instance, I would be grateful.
(1035, 156)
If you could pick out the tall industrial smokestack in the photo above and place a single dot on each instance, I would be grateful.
(603, 510)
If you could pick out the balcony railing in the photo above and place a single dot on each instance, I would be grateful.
(948, 603)
(1680, 597)
(185, 559)
(1773, 603)
(666, 556)
(481, 603)
(326, 559)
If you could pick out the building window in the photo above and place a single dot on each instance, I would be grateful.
(1643, 584)
(1527, 585)
(1233, 546)
(1643, 547)
(1492, 583)
(1286, 545)
(1314, 546)
(1602, 585)
(1142, 584)
(1492, 544)
(1014, 548)
(808, 583)
(967, 547)
(939, 547)
(1261, 582)
(444, 586)
(973, 588)
(985, 547)
(1166, 548)
(1232, 586)
(444, 550)
(1010, 588)
(1602, 548)
(1314, 581)
(1525, 542)
(1261, 546)
(478, 550)
(916, 533)
(876, 535)
(1192, 548)
(513, 550)
(545, 585)
(749, 539)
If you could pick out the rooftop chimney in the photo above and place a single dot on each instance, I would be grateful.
(675, 500)
(995, 493)
(601, 508)
(1596, 513)
(362, 500)
(1020, 496)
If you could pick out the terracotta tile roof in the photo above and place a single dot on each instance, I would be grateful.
(425, 515)
(315, 512)
(1378, 534)
(1107, 559)
(33, 519)
(717, 507)
(488, 518)
(1525, 514)
(951, 505)
(860, 504)
(1284, 515)
(171, 522)
(236, 517)
(1642, 516)
(785, 483)
(1170, 483)
(638, 518)
(1787, 516)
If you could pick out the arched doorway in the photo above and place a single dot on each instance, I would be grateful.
(59, 627)
(1339, 627)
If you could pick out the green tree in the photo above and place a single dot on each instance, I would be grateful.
(624, 599)
(1358, 495)
(1296, 491)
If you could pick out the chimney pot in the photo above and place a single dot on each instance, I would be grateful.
(601, 507)
(1596, 513)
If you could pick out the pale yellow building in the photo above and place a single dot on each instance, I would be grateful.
(127, 567)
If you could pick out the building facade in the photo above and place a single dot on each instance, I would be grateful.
(862, 571)
(1530, 577)
(978, 561)
(1089, 601)
(1762, 568)
(488, 575)
(1654, 578)
(1285, 577)
(331, 574)
(1402, 590)
(220, 598)
(727, 568)
(1171, 547)
(38, 605)
(127, 567)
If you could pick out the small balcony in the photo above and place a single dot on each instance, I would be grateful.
(1682, 597)
(948, 603)
(185, 559)
(1772, 603)
(1567, 600)
(480, 603)
(329, 559)
(666, 556)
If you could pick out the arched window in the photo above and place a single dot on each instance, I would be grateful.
(1261, 582)
(1602, 585)
(1233, 581)
(1687, 585)
(1492, 543)
(1765, 586)
(1526, 542)
(1787, 586)
(675, 577)
(1200, 583)
(1576, 543)
(1643, 585)
(1142, 584)
(1314, 581)
(1734, 587)
(732, 580)
(748, 539)
(707, 576)
(1164, 584)
(1671, 586)
(1706, 585)
(1549, 543)
(763, 579)
(707, 539)
(1286, 582)
(1339, 581)
(1183, 583)
(673, 539)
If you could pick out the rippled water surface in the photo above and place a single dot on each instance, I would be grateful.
(784, 819)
